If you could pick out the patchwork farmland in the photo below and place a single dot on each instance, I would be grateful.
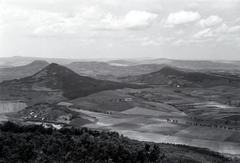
(182, 119)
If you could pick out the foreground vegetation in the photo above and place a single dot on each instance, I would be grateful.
(34, 143)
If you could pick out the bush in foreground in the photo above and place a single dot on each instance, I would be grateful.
(34, 143)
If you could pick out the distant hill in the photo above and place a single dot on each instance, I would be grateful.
(21, 61)
(118, 68)
(22, 71)
(187, 64)
(102, 68)
(175, 76)
(200, 65)
(123, 62)
(58, 78)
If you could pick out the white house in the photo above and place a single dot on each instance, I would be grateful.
(128, 99)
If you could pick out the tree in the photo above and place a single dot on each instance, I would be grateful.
(155, 153)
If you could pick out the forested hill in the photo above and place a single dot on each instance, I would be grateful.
(36, 144)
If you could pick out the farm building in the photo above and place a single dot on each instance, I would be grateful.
(65, 117)
(65, 104)
(128, 99)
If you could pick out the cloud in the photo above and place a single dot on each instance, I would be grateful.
(179, 32)
(142, 39)
(139, 19)
(60, 24)
(182, 17)
(222, 29)
(234, 29)
(111, 2)
(92, 13)
(226, 29)
(133, 20)
(237, 20)
(164, 39)
(54, 29)
(192, 6)
(202, 41)
(178, 43)
(210, 21)
(149, 43)
(206, 33)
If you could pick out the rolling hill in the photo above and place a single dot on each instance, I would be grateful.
(176, 76)
(57, 78)
(22, 71)
(96, 69)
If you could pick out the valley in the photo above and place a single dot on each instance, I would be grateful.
(167, 106)
(112, 81)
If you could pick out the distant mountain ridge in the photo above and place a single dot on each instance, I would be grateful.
(196, 64)
(103, 68)
(22, 71)
(56, 77)
(110, 70)
(174, 76)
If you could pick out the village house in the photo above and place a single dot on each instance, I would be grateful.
(128, 99)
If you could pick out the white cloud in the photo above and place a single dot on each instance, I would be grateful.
(92, 13)
(111, 2)
(179, 32)
(226, 29)
(182, 17)
(135, 20)
(192, 6)
(60, 24)
(54, 29)
(207, 33)
(149, 43)
(142, 39)
(139, 19)
(202, 41)
(237, 20)
(222, 29)
(109, 45)
(234, 29)
(110, 22)
(210, 21)
(178, 43)
(164, 39)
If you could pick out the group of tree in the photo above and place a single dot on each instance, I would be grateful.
(34, 143)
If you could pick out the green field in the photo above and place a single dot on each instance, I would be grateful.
(181, 118)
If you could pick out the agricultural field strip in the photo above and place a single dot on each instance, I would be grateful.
(142, 111)
(204, 133)
(214, 133)
(84, 116)
(222, 147)
(108, 120)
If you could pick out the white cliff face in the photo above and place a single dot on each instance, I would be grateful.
(6, 107)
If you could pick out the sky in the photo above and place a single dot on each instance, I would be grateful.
(87, 29)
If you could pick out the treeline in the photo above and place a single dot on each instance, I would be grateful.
(34, 143)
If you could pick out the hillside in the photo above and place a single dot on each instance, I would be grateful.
(34, 143)
(175, 76)
(57, 78)
(22, 71)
